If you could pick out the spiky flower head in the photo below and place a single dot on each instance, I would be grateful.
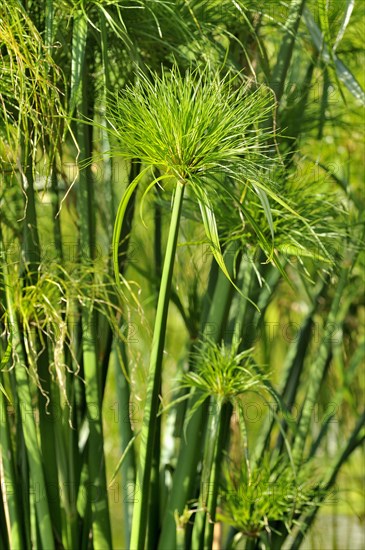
(224, 373)
(193, 125)
(201, 129)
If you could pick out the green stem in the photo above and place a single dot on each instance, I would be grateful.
(251, 543)
(80, 100)
(215, 440)
(128, 468)
(57, 233)
(48, 441)
(214, 315)
(9, 495)
(155, 496)
(208, 477)
(287, 46)
(220, 439)
(67, 465)
(318, 371)
(31, 247)
(30, 431)
(139, 524)
(355, 440)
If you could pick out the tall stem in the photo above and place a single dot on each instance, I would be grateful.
(24, 396)
(81, 100)
(155, 496)
(12, 515)
(287, 47)
(214, 315)
(139, 524)
(220, 439)
(318, 371)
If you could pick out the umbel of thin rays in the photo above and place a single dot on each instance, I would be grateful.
(203, 131)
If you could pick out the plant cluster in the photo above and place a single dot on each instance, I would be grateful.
(178, 177)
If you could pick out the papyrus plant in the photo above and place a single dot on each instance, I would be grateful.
(296, 50)
(223, 376)
(200, 131)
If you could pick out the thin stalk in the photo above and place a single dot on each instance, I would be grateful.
(286, 48)
(12, 518)
(318, 370)
(246, 280)
(100, 509)
(214, 315)
(84, 505)
(247, 319)
(292, 372)
(126, 228)
(31, 247)
(214, 443)
(8, 480)
(356, 439)
(154, 511)
(154, 500)
(70, 457)
(105, 142)
(48, 442)
(128, 468)
(21, 465)
(96, 461)
(3, 533)
(30, 432)
(180, 538)
(57, 234)
(197, 539)
(66, 471)
(140, 512)
(251, 543)
(324, 104)
(220, 441)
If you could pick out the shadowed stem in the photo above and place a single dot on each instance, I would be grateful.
(24, 395)
(139, 524)
(220, 439)
(82, 100)
(213, 318)
(155, 496)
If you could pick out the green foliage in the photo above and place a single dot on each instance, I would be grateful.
(224, 373)
(228, 132)
(194, 125)
(254, 500)
(31, 102)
